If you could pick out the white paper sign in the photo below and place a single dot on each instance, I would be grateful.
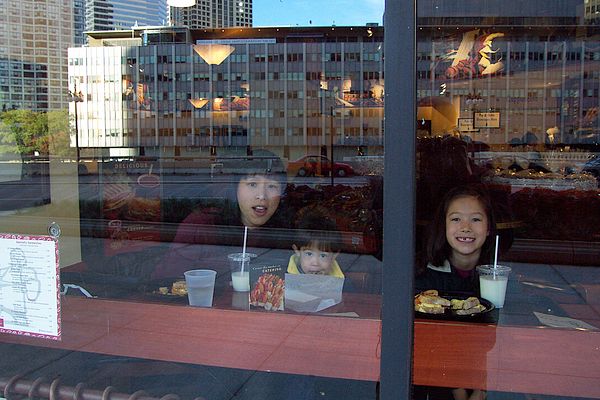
(486, 120)
(29, 286)
(466, 125)
(563, 322)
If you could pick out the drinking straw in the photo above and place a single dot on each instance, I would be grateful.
(496, 255)
(244, 248)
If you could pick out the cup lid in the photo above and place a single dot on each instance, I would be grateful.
(503, 269)
(240, 256)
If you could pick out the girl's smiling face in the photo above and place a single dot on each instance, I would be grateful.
(466, 231)
(258, 198)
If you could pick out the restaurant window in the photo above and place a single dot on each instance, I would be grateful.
(274, 188)
(142, 191)
(506, 176)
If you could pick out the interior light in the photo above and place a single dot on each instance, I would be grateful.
(198, 103)
(213, 54)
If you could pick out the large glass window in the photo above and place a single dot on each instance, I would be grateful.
(507, 144)
(169, 152)
(197, 208)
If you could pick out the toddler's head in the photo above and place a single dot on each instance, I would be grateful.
(317, 244)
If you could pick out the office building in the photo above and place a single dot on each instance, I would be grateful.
(213, 14)
(124, 14)
(528, 69)
(283, 87)
(34, 37)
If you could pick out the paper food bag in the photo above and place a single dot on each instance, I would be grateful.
(312, 293)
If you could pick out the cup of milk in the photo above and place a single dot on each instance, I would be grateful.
(492, 283)
(239, 264)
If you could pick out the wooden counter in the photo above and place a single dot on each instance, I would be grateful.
(519, 359)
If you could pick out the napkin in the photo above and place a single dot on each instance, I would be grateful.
(563, 322)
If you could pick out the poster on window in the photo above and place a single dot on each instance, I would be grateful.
(29, 286)
(466, 125)
(486, 120)
(131, 205)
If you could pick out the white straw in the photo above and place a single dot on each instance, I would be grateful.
(244, 248)
(496, 251)
(496, 255)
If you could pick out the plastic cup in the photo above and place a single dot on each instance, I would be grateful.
(200, 286)
(240, 280)
(492, 283)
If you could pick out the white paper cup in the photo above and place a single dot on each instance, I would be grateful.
(492, 283)
(240, 279)
(200, 286)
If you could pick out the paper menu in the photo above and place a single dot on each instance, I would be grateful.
(267, 287)
(29, 286)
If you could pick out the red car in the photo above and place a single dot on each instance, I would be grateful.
(314, 165)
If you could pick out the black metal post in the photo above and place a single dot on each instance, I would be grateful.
(76, 98)
(331, 134)
(76, 130)
(399, 199)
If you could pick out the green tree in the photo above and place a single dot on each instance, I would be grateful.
(26, 129)
(25, 132)
(59, 130)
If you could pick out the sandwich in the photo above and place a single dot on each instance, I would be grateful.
(430, 302)
(179, 288)
(469, 306)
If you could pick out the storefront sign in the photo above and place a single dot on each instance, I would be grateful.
(466, 125)
(238, 41)
(29, 286)
(486, 120)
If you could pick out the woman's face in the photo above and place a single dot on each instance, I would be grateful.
(466, 230)
(258, 198)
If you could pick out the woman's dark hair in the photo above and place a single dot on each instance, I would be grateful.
(262, 162)
(438, 249)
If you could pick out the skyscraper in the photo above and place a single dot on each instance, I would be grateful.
(103, 15)
(213, 14)
(35, 36)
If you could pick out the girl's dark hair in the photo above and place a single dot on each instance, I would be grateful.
(438, 249)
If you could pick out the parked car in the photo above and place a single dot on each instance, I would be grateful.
(316, 165)
(593, 167)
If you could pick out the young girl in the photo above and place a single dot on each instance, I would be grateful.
(461, 237)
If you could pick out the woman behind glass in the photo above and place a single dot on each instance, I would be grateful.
(251, 198)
